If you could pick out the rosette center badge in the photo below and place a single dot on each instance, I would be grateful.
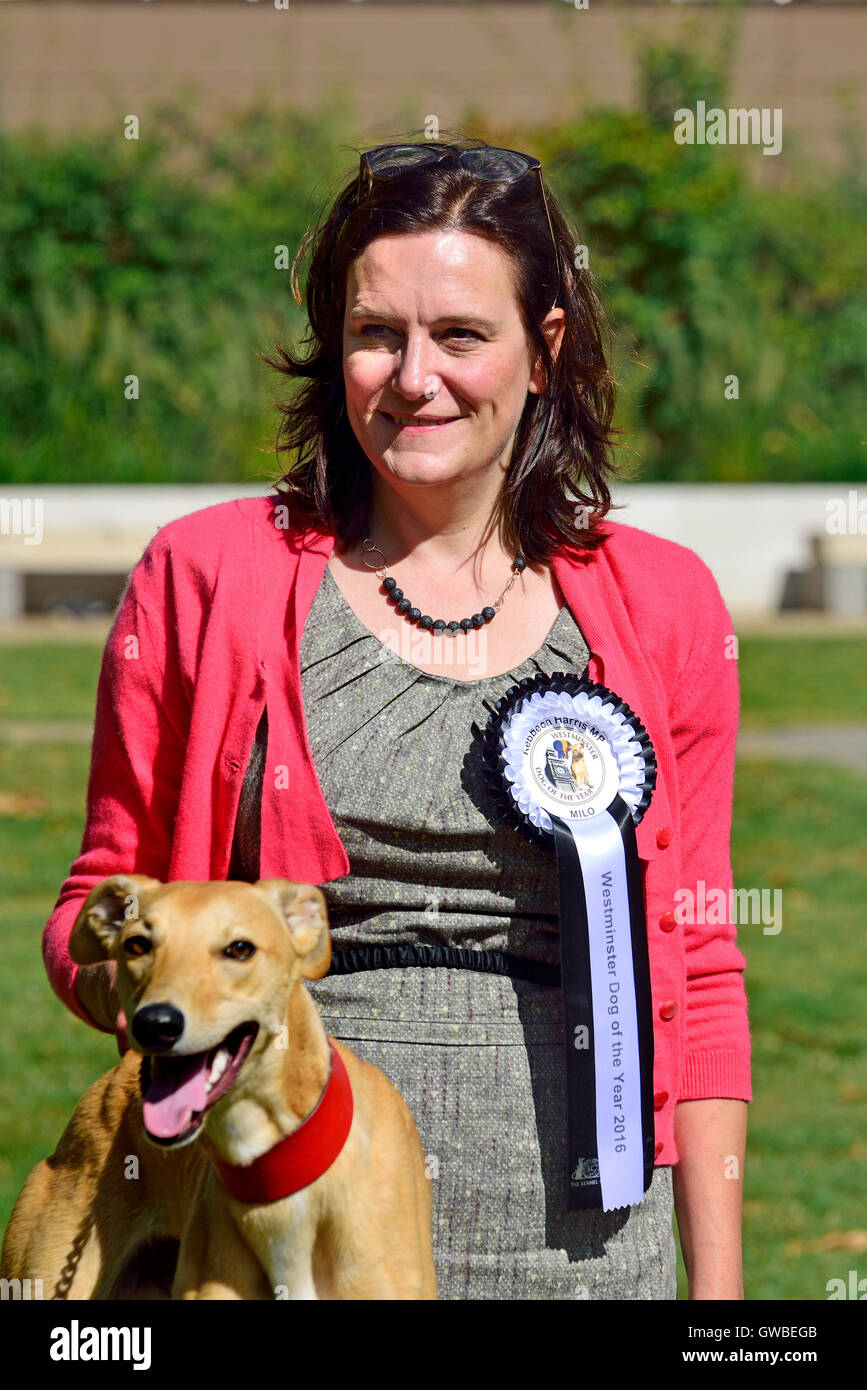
(570, 767)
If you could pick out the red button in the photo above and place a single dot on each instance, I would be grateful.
(663, 837)
(659, 1099)
(667, 922)
(658, 1150)
(668, 1009)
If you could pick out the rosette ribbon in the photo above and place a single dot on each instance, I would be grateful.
(572, 767)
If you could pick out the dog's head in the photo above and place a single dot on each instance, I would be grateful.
(204, 975)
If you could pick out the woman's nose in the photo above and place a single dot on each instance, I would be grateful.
(415, 375)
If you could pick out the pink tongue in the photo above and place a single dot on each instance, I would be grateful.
(175, 1092)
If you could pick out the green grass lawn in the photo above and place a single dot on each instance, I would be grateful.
(800, 828)
(782, 679)
(797, 827)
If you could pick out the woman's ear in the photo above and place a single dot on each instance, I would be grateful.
(553, 326)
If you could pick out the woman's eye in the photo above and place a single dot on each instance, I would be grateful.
(239, 950)
(137, 945)
(376, 330)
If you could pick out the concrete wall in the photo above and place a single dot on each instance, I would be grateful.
(750, 535)
(755, 537)
(67, 65)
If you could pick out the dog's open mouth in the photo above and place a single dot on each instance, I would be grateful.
(177, 1091)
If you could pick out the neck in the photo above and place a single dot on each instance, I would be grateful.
(286, 1082)
(443, 528)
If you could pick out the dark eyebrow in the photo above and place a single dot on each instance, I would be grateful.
(465, 320)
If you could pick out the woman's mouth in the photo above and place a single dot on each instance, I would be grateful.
(419, 424)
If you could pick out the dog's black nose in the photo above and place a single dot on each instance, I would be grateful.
(158, 1026)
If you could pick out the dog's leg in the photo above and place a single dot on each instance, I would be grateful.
(214, 1261)
(55, 1238)
(380, 1247)
(83, 1212)
(49, 1241)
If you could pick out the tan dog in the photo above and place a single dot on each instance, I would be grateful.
(230, 1052)
(577, 763)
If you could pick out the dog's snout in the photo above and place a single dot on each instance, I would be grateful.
(158, 1026)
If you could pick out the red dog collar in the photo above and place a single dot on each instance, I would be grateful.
(305, 1154)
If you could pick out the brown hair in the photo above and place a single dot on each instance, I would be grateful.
(563, 445)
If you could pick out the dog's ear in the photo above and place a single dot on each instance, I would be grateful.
(107, 906)
(304, 910)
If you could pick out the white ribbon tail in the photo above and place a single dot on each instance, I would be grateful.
(615, 1018)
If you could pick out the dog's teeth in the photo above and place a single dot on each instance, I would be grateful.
(221, 1061)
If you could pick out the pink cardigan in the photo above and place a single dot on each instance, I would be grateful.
(208, 631)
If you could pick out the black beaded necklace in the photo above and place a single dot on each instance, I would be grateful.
(415, 615)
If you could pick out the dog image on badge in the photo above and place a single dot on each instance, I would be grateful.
(565, 764)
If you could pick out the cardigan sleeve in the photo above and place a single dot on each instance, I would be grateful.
(704, 723)
(140, 732)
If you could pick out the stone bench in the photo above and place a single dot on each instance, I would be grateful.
(840, 566)
(72, 571)
(70, 548)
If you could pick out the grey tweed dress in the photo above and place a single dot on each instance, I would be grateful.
(478, 1057)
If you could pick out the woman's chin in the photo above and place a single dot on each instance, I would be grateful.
(420, 466)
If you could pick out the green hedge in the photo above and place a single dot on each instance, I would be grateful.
(156, 257)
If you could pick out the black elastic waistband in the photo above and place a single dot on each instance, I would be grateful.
(461, 957)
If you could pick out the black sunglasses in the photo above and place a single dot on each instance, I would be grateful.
(485, 161)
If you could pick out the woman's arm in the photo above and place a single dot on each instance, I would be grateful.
(708, 1194)
(140, 732)
(710, 1117)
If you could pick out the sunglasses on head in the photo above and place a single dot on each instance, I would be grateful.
(484, 161)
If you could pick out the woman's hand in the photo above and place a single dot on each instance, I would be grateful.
(96, 989)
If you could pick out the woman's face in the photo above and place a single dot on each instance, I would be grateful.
(435, 308)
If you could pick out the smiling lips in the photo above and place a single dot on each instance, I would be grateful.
(420, 422)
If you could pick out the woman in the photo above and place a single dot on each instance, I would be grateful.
(267, 707)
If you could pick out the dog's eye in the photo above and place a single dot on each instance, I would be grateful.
(240, 950)
(137, 945)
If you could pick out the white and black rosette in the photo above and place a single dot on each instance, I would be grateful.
(572, 767)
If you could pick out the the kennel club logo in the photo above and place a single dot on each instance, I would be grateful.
(570, 765)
